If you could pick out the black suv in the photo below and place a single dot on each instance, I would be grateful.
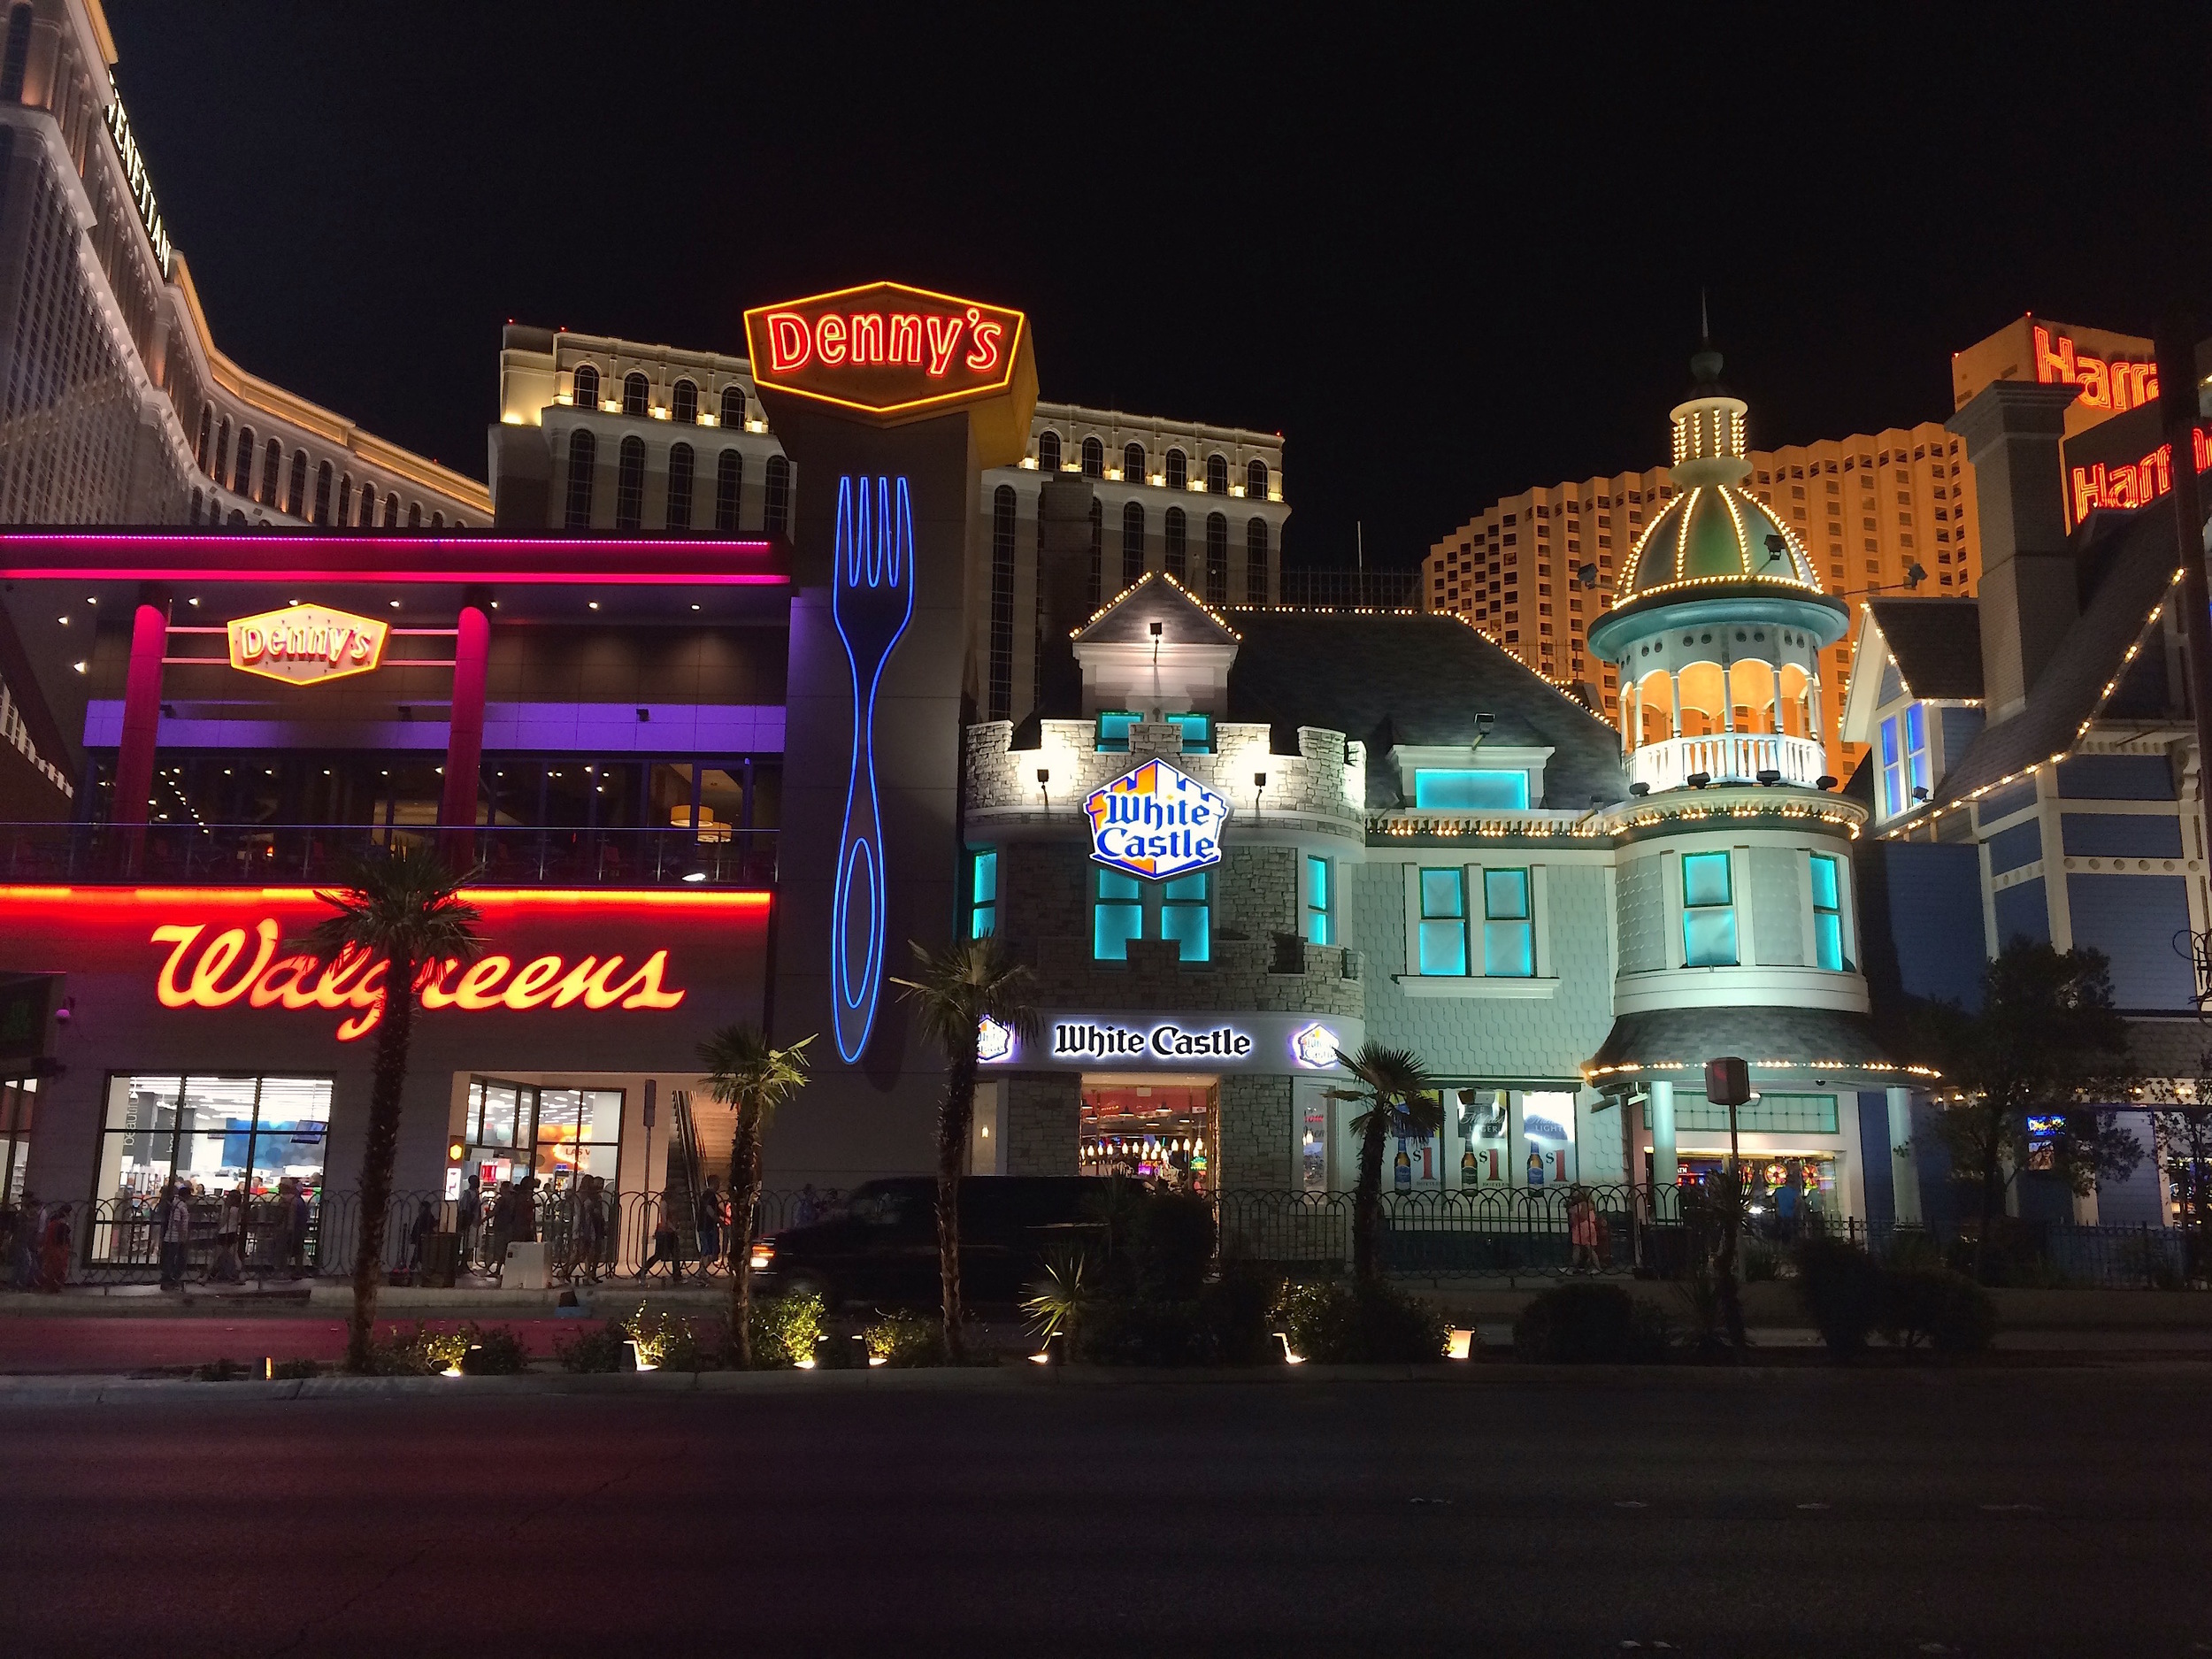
(881, 1248)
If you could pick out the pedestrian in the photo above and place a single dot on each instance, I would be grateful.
(501, 1229)
(666, 1244)
(418, 1236)
(809, 1208)
(1582, 1231)
(53, 1253)
(525, 1228)
(227, 1268)
(468, 1215)
(302, 1221)
(173, 1218)
(23, 1268)
(587, 1228)
(710, 1224)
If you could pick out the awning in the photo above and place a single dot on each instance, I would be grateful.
(1673, 1045)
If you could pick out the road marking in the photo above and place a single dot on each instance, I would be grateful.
(1629, 1503)
(1445, 1502)
(1812, 1506)
(2013, 1508)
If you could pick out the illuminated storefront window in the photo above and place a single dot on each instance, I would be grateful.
(519, 1129)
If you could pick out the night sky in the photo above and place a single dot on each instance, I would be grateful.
(1446, 260)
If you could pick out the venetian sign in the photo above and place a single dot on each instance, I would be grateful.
(887, 354)
(305, 644)
(1153, 821)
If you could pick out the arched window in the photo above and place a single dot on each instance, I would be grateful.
(17, 56)
(683, 403)
(776, 519)
(729, 485)
(271, 465)
(680, 469)
(242, 479)
(295, 485)
(437, 521)
(636, 395)
(629, 484)
(198, 496)
(1177, 470)
(222, 451)
(1217, 475)
(345, 499)
(1002, 690)
(587, 393)
(368, 506)
(1216, 559)
(1178, 553)
(1098, 552)
(583, 458)
(1256, 480)
(236, 516)
(207, 419)
(1132, 543)
(1132, 462)
(321, 515)
(734, 405)
(414, 515)
(1048, 452)
(391, 510)
(1093, 458)
(1255, 562)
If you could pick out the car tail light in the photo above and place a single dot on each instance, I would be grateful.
(763, 1253)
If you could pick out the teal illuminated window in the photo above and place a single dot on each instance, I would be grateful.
(1827, 914)
(1709, 912)
(983, 894)
(1509, 926)
(1471, 791)
(1198, 731)
(1117, 915)
(1113, 731)
(1187, 915)
(1443, 925)
(1320, 901)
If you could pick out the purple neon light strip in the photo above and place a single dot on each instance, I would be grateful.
(443, 559)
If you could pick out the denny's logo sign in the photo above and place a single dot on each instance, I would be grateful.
(307, 644)
(891, 352)
(246, 966)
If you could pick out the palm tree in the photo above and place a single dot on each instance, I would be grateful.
(405, 906)
(954, 991)
(1401, 1098)
(746, 1071)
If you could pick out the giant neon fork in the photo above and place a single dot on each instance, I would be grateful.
(872, 600)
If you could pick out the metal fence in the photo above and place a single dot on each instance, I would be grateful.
(119, 1241)
(1386, 590)
(508, 855)
(1471, 1234)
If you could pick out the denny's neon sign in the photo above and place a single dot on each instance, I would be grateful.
(210, 967)
(303, 643)
(886, 348)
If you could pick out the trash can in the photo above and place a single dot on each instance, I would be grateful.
(440, 1259)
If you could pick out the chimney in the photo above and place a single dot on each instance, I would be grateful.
(2030, 592)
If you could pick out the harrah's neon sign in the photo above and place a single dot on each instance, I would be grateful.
(2117, 384)
(2132, 484)
(353, 983)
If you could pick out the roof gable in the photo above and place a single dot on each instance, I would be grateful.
(1155, 596)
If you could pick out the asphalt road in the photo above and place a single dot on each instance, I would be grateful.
(1998, 1512)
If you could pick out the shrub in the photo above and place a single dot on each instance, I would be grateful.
(421, 1352)
(785, 1328)
(1842, 1288)
(295, 1369)
(1171, 1245)
(1581, 1323)
(496, 1353)
(1234, 1311)
(669, 1341)
(903, 1337)
(221, 1371)
(1331, 1323)
(1139, 1331)
(1761, 1265)
(1946, 1311)
(600, 1351)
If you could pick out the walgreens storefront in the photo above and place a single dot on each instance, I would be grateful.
(192, 1036)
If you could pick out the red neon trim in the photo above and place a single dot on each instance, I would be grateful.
(625, 563)
(495, 898)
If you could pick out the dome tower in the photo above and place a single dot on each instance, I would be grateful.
(1720, 621)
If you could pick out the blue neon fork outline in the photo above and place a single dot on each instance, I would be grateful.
(869, 556)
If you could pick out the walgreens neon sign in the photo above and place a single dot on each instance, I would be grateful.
(241, 966)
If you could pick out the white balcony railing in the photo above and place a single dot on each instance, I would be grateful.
(1727, 757)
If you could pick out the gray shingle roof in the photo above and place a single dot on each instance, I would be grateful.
(1129, 618)
(2136, 569)
(1937, 644)
(1805, 1037)
(1416, 679)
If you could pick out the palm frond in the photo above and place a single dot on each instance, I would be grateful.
(405, 902)
(744, 1069)
(969, 981)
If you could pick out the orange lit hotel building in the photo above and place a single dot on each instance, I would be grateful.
(1868, 508)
